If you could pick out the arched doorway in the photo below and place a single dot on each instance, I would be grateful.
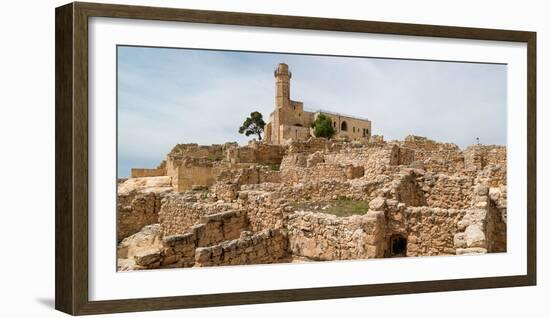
(344, 126)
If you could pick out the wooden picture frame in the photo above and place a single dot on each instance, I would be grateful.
(71, 122)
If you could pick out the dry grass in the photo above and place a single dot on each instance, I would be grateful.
(341, 207)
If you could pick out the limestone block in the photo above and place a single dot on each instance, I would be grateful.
(471, 251)
(474, 236)
(377, 204)
(481, 190)
(148, 257)
(459, 240)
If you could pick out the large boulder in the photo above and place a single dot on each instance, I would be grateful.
(146, 184)
(148, 238)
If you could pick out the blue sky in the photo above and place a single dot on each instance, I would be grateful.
(169, 96)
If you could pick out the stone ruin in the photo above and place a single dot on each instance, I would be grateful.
(314, 200)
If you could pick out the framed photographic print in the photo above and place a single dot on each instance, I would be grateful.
(210, 158)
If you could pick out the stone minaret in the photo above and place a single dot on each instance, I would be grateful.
(282, 86)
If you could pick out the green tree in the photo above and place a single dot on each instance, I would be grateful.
(253, 125)
(322, 127)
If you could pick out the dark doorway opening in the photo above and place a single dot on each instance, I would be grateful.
(398, 246)
(344, 126)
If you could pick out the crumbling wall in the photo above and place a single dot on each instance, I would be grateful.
(256, 152)
(483, 227)
(355, 189)
(179, 212)
(265, 247)
(476, 157)
(430, 231)
(405, 187)
(310, 146)
(433, 156)
(297, 168)
(135, 210)
(196, 173)
(323, 237)
(492, 175)
(374, 158)
(449, 192)
(321, 172)
(229, 181)
(141, 172)
(179, 250)
(265, 210)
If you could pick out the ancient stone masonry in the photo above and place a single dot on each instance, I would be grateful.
(314, 200)
(265, 247)
(322, 237)
(138, 203)
(180, 212)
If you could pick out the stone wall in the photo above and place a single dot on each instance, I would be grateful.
(179, 250)
(229, 181)
(288, 133)
(430, 231)
(483, 228)
(265, 210)
(449, 192)
(137, 209)
(355, 189)
(372, 157)
(301, 167)
(197, 174)
(324, 237)
(256, 152)
(492, 175)
(312, 145)
(476, 157)
(321, 172)
(434, 156)
(141, 172)
(405, 187)
(265, 247)
(179, 213)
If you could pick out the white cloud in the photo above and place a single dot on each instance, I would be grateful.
(170, 96)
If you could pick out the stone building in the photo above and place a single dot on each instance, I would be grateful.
(289, 121)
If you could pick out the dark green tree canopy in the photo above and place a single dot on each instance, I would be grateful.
(322, 127)
(253, 125)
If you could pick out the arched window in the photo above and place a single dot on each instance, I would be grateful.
(353, 128)
(334, 124)
(344, 126)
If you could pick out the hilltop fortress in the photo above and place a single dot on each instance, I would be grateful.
(289, 121)
(308, 199)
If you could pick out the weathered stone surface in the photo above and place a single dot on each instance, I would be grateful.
(474, 236)
(265, 203)
(147, 257)
(145, 184)
(377, 204)
(148, 238)
(140, 206)
(471, 251)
